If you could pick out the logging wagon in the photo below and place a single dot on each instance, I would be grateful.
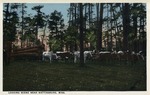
(28, 53)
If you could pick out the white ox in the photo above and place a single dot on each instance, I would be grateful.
(140, 55)
(86, 54)
(49, 55)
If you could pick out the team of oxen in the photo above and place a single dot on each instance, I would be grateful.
(93, 55)
(127, 56)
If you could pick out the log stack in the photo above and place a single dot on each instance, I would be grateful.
(27, 53)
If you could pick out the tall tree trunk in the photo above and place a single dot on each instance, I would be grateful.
(126, 25)
(99, 26)
(116, 30)
(143, 36)
(91, 12)
(7, 13)
(5, 23)
(89, 9)
(72, 13)
(69, 15)
(22, 24)
(85, 16)
(107, 26)
(44, 32)
(75, 14)
(75, 26)
(135, 33)
(120, 42)
(6, 44)
(111, 26)
(81, 36)
(37, 26)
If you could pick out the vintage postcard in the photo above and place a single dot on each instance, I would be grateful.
(73, 47)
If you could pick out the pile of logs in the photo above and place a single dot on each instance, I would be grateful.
(27, 53)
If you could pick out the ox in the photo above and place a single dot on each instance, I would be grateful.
(64, 55)
(87, 54)
(141, 56)
(50, 55)
(130, 56)
(104, 56)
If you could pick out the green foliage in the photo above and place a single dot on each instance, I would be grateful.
(91, 38)
(29, 29)
(38, 19)
(56, 26)
(71, 35)
(112, 24)
(10, 25)
(56, 22)
(55, 44)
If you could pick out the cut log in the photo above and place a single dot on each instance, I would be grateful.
(20, 54)
(27, 50)
(27, 53)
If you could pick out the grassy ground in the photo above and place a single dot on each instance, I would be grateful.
(61, 76)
